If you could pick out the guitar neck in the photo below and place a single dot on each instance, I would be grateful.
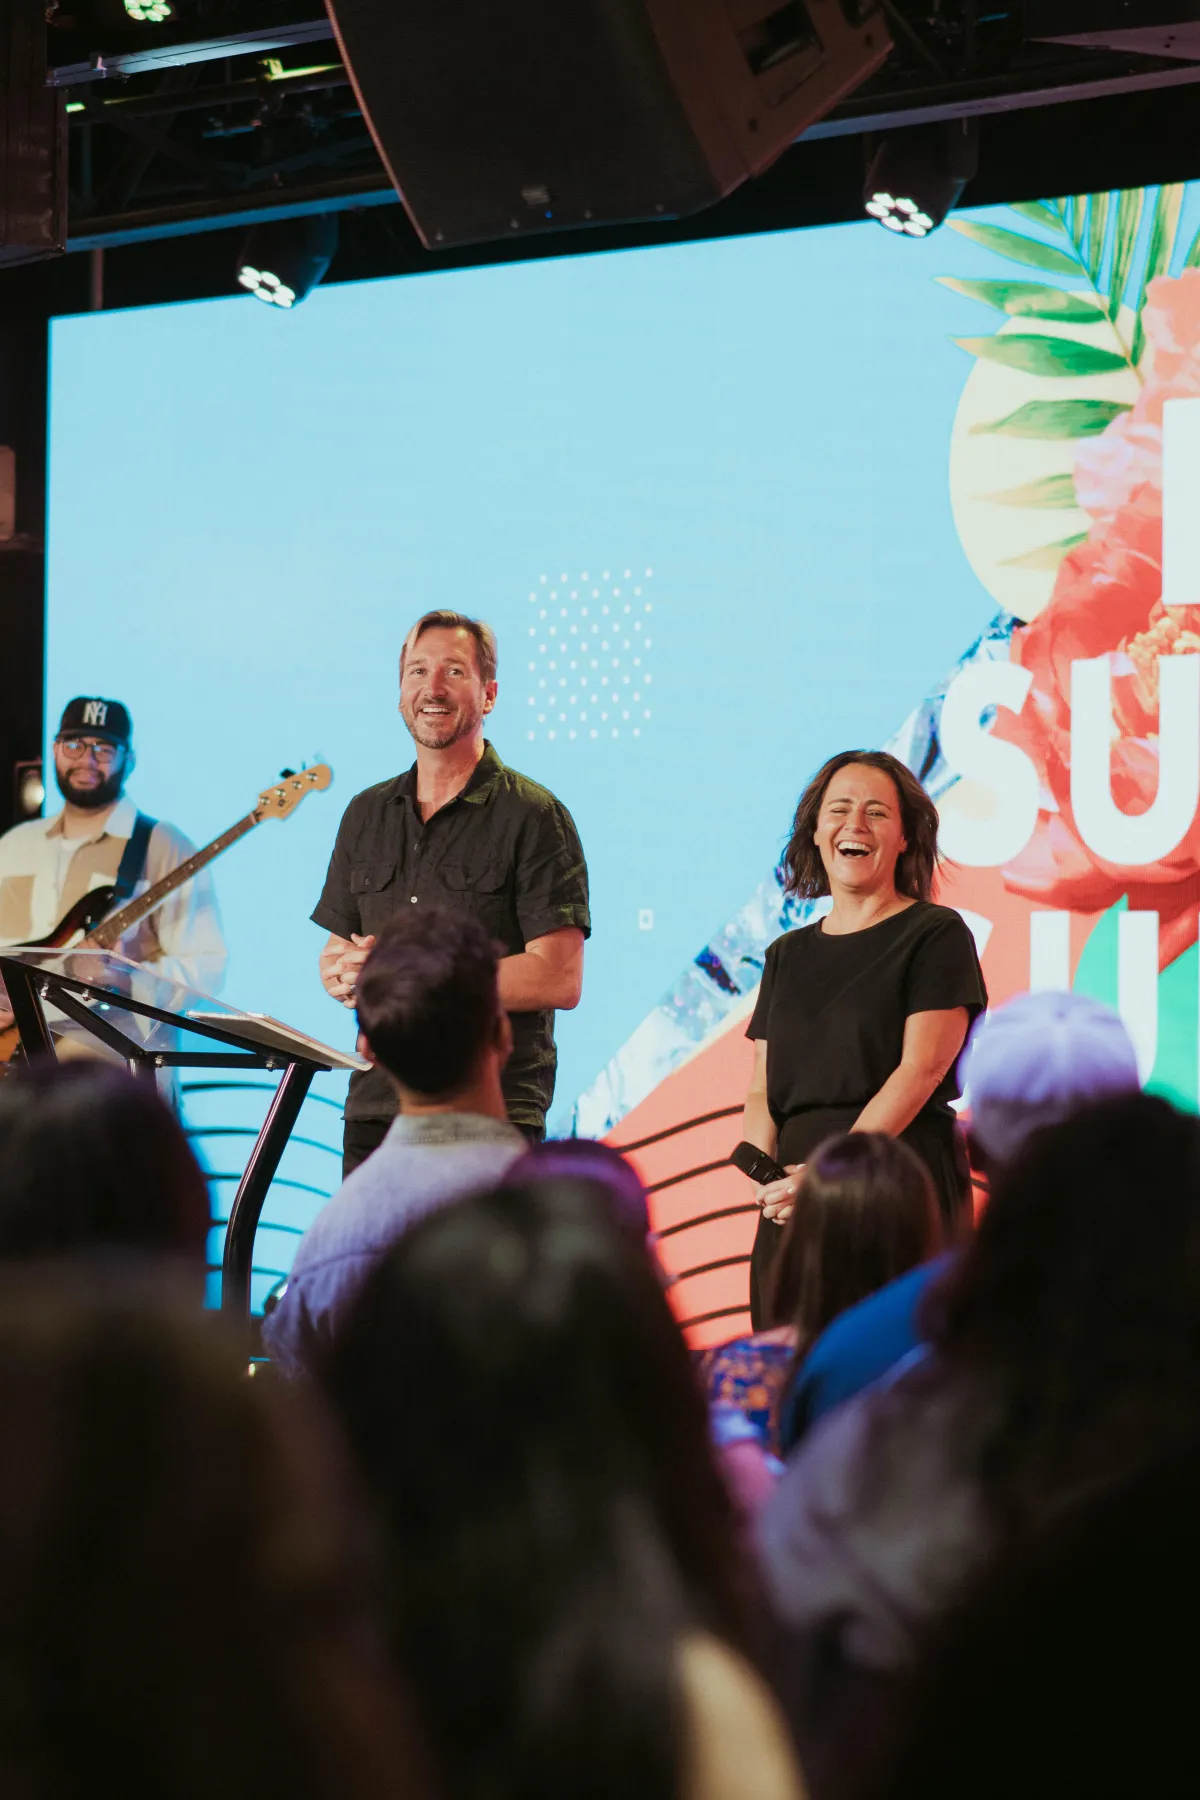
(112, 929)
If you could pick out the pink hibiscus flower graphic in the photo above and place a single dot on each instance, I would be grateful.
(1108, 598)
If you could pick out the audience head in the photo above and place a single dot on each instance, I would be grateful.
(1078, 1301)
(1038, 1059)
(585, 1158)
(183, 1586)
(428, 1003)
(92, 1160)
(554, 1537)
(1064, 1673)
(866, 1212)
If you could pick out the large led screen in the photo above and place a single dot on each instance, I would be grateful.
(730, 507)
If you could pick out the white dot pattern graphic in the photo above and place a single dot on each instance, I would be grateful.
(609, 616)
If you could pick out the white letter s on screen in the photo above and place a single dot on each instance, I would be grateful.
(1006, 771)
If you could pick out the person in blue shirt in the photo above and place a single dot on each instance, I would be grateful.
(430, 1017)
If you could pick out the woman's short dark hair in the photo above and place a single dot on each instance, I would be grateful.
(92, 1159)
(866, 1212)
(1078, 1303)
(184, 1583)
(427, 998)
(804, 872)
(524, 1405)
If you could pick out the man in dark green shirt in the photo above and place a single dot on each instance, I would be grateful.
(460, 829)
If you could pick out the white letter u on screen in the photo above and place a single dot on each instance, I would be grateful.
(1135, 838)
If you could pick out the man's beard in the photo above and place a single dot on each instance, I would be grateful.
(440, 734)
(91, 799)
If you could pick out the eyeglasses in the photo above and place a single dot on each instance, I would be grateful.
(75, 749)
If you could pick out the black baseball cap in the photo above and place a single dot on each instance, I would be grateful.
(99, 718)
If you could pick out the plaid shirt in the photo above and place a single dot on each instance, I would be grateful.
(504, 850)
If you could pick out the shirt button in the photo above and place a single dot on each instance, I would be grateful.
(413, 898)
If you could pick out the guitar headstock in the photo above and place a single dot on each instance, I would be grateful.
(277, 801)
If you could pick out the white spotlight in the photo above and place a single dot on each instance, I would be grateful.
(917, 176)
(282, 261)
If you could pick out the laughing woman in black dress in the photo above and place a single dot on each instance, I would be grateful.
(861, 1016)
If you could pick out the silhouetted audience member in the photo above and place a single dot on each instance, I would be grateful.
(429, 1013)
(1071, 1672)
(567, 1593)
(1031, 1062)
(183, 1589)
(603, 1163)
(865, 1212)
(93, 1161)
(1064, 1354)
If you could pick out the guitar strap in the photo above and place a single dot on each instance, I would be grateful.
(132, 865)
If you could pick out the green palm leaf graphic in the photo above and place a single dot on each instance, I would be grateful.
(1028, 299)
(1163, 228)
(1107, 240)
(1038, 355)
(1097, 235)
(1129, 219)
(1053, 493)
(1016, 246)
(1055, 420)
(1048, 557)
(1037, 212)
(1098, 238)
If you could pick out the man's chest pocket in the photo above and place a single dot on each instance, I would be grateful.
(478, 888)
(373, 887)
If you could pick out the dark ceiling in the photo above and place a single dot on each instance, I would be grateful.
(181, 132)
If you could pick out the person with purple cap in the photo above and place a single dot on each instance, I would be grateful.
(98, 836)
(1031, 1062)
(590, 1160)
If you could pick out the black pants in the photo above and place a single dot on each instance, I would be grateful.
(363, 1136)
(359, 1138)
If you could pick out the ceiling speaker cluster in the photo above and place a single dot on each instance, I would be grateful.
(498, 120)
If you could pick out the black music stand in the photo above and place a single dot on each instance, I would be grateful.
(81, 990)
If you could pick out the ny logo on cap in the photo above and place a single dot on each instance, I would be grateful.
(95, 712)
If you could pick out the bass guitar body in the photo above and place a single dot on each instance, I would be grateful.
(84, 916)
(74, 925)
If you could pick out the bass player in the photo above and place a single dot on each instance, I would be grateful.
(47, 864)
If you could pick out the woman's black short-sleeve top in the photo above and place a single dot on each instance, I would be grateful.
(833, 1008)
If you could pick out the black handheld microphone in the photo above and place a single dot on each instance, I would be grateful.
(756, 1164)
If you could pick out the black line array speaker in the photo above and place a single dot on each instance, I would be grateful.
(496, 118)
(33, 140)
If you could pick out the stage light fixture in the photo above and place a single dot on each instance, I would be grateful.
(282, 261)
(916, 177)
(149, 12)
(29, 789)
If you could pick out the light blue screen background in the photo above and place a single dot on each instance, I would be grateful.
(249, 507)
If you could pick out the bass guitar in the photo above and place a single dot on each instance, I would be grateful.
(90, 925)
